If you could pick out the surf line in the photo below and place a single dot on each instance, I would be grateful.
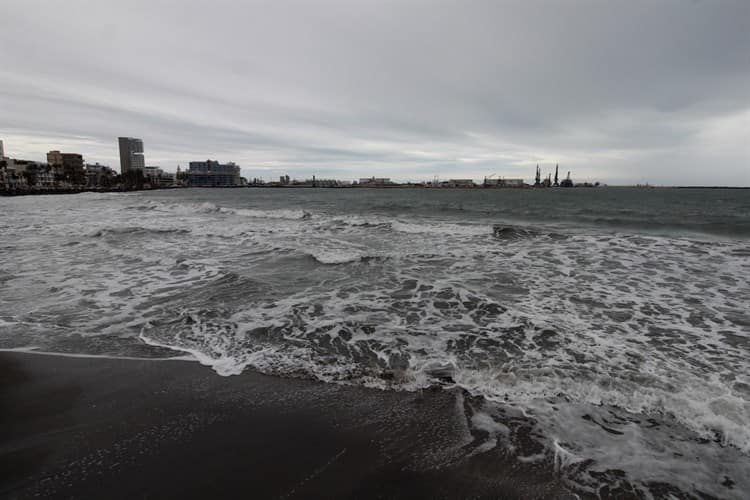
(35, 350)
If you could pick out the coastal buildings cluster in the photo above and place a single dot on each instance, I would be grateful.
(68, 172)
(490, 181)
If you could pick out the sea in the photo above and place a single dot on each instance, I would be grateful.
(603, 332)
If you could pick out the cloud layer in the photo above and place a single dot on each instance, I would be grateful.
(626, 92)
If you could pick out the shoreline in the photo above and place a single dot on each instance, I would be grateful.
(36, 351)
(7, 194)
(45, 192)
(119, 428)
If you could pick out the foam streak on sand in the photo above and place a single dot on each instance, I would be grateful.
(35, 350)
(628, 351)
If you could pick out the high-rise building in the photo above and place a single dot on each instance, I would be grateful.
(131, 154)
(2, 150)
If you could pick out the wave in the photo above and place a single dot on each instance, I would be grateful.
(136, 230)
(268, 214)
(361, 222)
(413, 333)
(332, 256)
(4, 322)
(513, 232)
(336, 256)
(208, 208)
(448, 229)
(177, 208)
(714, 418)
(728, 228)
(710, 412)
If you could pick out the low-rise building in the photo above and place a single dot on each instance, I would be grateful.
(375, 181)
(45, 180)
(460, 183)
(71, 165)
(100, 176)
(10, 181)
(158, 178)
(25, 175)
(211, 173)
(324, 182)
(503, 182)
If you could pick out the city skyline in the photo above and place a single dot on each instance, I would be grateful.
(635, 93)
(132, 157)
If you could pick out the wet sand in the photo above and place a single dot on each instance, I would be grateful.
(110, 428)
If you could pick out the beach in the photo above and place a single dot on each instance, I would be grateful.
(376, 344)
(117, 428)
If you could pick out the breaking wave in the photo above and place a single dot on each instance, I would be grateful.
(208, 207)
(325, 256)
(268, 214)
(136, 230)
(441, 228)
(509, 232)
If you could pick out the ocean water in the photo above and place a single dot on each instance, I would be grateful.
(601, 332)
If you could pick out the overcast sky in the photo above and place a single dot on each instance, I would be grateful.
(622, 92)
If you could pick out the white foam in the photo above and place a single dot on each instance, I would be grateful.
(196, 209)
(37, 351)
(334, 256)
(267, 214)
(445, 229)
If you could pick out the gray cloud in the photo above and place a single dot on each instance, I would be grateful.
(618, 92)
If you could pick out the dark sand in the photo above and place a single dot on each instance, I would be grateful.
(106, 428)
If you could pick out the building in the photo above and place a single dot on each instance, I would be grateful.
(158, 178)
(375, 181)
(516, 183)
(11, 180)
(69, 165)
(100, 176)
(503, 182)
(324, 182)
(132, 162)
(211, 173)
(2, 150)
(461, 183)
(45, 180)
(131, 154)
(25, 175)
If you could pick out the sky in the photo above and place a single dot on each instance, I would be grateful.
(620, 92)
